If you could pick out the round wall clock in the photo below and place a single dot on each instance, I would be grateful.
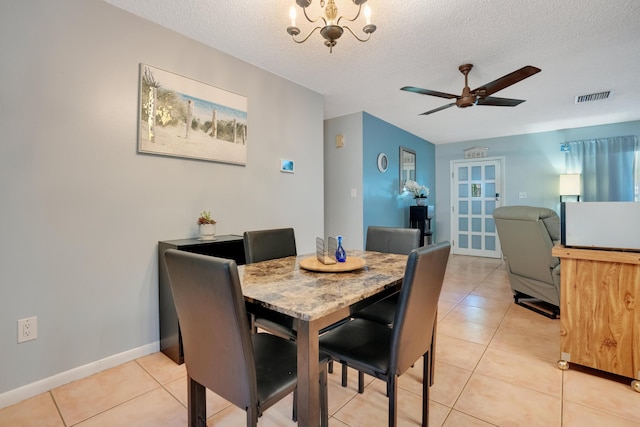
(383, 162)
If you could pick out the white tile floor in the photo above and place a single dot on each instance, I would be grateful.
(495, 366)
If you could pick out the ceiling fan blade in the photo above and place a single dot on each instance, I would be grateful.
(499, 102)
(428, 92)
(506, 81)
(444, 107)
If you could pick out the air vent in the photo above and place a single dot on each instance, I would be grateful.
(592, 97)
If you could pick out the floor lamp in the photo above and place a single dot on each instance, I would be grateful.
(570, 185)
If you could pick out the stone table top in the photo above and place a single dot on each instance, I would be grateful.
(281, 285)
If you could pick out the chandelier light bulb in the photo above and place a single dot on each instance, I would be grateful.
(292, 15)
(367, 14)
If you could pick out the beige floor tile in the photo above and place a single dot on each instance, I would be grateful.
(163, 369)
(458, 419)
(278, 415)
(533, 373)
(527, 343)
(574, 415)
(605, 395)
(504, 295)
(488, 303)
(370, 409)
(444, 307)
(520, 318)
(154, 409)
(178, 389)
(449, 383)
(483, 316)
(90, 396)
(498, 402)
(37, 411)
(465, 330)
(458, 352)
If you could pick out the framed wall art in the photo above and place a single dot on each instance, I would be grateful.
(287, 165)
(182, 117)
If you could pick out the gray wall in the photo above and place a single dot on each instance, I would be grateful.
(82, 211)
(533, 164)
(342, 173)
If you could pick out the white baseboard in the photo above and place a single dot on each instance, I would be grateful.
(19, 394)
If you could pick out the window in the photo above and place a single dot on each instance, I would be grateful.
(610, 168)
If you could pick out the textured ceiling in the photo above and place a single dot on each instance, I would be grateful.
(582, 46)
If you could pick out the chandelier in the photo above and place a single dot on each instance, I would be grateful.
(332, 30)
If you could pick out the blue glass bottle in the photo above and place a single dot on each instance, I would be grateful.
(341, 255)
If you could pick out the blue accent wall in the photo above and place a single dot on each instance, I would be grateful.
(383, 204)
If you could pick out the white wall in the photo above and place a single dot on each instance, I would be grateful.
(342, 173)
(82, 211)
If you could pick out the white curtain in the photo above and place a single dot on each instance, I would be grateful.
(609, 167)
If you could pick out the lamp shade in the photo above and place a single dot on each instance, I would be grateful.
(570, 185)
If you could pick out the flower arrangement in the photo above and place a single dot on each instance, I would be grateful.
(418, 191)
(205, 218)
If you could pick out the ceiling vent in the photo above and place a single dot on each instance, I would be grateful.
(592, 97)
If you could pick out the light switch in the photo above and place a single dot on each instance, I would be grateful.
(354, 193)
(339, 140)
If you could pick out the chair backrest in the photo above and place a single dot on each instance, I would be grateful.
(527, 235)
(216, 338)
(263, 245)
(417, 305)
(392, 240)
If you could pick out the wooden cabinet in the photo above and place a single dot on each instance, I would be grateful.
(231, 247)
(600, 310)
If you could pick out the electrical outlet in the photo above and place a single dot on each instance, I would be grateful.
(27, 329)
(522, 195)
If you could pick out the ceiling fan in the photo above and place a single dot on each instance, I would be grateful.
(481, 95)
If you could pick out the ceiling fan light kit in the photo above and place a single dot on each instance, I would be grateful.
(482, 94)
(331, 31)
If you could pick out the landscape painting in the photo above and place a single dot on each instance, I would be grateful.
(182, 117)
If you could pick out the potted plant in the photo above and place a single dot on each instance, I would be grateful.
(207, 226)
(420, 192)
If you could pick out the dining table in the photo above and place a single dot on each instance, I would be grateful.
(316, 300)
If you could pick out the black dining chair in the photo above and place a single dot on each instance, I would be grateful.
(387, 352)
(264, 245)
(393, 240)
(252, 371)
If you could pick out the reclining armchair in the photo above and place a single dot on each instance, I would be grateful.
(527, 235)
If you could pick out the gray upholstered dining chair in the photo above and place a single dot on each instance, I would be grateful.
(386, 353)
(252, 371)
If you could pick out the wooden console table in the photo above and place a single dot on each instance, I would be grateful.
(600, 310)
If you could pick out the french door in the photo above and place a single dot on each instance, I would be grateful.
(476, 190)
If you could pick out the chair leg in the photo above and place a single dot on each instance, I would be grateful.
(252, 417)
(432, 352)
(197, 404)
(426, 384)
(331, 366)
(360, 382)
(392, 390)
(294, 416)
(344, 375)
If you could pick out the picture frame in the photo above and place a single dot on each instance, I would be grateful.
(182, 117)
(407, 166)
(287, 166)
